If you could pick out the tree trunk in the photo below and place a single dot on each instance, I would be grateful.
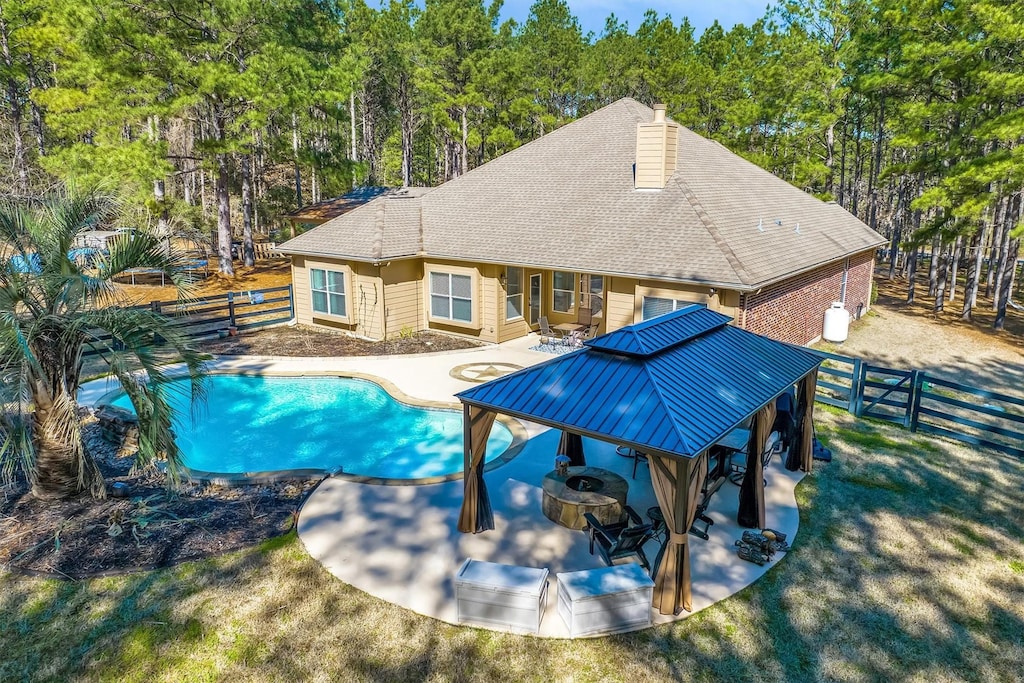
(352, 119)
(248, 252)
(974, 274)
(999, 269)
(160, 195)
(223, 198)
(37, 113)
(830, 158)
(940, 287)
(14, 101)
(464, 149)
(63, 467)
(295, 159)
(841, 200)
(911, 275)
(957, 248)
(997, 238)
(933, 266)
(405, 107)
(1006, 284)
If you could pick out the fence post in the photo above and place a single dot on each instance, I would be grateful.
(231, 309)
(291, 303)
(911, 397)
(915, 411)
(855, 387)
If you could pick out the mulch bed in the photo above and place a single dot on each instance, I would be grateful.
(84, 537)
(303, 341)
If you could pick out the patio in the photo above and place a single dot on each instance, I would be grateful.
(400, 543)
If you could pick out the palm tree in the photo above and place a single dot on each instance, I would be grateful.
(53, 310)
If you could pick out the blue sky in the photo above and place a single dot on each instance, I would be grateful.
(592, 13)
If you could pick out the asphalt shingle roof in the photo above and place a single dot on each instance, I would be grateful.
(567, 201)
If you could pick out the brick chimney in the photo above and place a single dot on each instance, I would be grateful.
(656, 147)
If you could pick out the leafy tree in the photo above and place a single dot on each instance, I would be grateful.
(53, 308)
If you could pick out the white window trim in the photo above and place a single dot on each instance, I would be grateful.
(521, 295)
(474, 322)
(571, 291)
(676, 305)
(346, 284)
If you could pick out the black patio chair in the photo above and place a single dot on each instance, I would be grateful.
(739, 465)
(718, 470)
(615, 541)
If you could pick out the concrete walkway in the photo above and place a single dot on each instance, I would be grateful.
(400, 543)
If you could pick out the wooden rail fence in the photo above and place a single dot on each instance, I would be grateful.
(209, 316)
(923, 402)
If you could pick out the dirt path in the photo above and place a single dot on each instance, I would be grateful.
(911, 337)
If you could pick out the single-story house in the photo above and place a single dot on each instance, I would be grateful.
(615, 218)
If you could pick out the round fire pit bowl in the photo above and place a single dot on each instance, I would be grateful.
(600, 492)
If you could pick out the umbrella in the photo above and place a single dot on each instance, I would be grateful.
(571, 445)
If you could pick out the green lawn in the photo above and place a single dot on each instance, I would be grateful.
(909, 565)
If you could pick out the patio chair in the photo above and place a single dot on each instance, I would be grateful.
(616, 541)
(740, 468)
(718, 469)
(546, 331)
(591, 331)
(638, 457)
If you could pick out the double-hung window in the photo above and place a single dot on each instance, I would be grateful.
(451, 297)
(654, 306)
(328, 292)
(513, 293)
(563, 290)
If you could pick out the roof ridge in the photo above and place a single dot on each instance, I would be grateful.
(712, 229)
(624, 101)
(378, 228)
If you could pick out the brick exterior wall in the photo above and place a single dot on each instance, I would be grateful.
(794, 310)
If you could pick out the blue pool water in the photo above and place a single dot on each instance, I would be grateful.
(258, 424)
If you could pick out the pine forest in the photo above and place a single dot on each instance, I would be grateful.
(218, 116)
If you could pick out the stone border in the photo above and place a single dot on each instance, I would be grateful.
(518, 431)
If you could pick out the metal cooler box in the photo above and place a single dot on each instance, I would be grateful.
(501, 595)
(606, 600)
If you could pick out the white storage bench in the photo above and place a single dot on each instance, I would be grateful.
(494, 594)
(606, 600)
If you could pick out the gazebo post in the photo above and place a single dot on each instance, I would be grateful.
(475, 515)
(677, 484)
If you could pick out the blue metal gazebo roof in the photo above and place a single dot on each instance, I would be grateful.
(675, 384)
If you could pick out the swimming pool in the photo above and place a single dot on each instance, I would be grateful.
(263, 423)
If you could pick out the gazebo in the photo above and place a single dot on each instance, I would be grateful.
(670, 387)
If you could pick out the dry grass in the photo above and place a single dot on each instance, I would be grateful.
(909, 565)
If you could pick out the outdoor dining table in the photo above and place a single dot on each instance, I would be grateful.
(572, 333)
(736, 440)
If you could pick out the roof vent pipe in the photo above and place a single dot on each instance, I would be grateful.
(659, 113)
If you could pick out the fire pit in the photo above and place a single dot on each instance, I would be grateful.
(600, 492)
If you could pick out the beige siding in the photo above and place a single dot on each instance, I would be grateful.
(364, 289)
(518, 327)
(490, 287)
(367, 300)
(619, 302)
(300, 291)
(386, 300)
(403, 284)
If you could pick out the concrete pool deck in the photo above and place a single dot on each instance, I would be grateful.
(400, 543)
